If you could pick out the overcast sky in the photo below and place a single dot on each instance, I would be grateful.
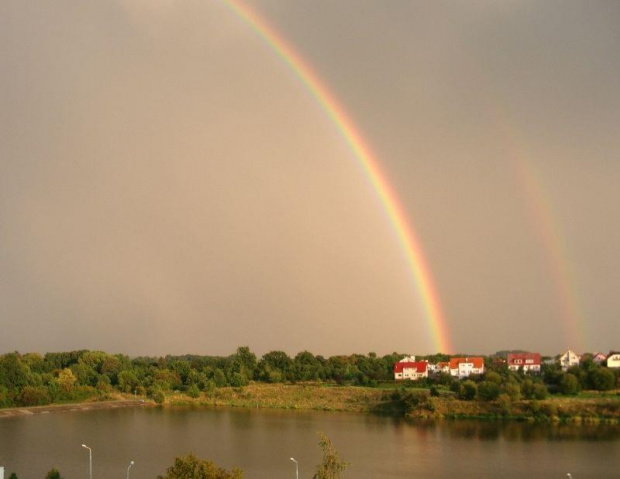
(167, 185)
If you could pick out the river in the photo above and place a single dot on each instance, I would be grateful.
(261, 442)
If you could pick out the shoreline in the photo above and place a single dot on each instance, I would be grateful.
(314, 397)
(72, 407)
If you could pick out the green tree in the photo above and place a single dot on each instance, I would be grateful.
(53, 474)
(13, 476)
(275, 366)
(127, 381)
(331, 466)
(468, 390)
(488, 390)
(569, 384)
(192, 467)
(244, 362)
(601, 379)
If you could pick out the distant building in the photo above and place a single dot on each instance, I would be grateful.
(599, 358)
(613, 360)
(410, 370)
(527, 362)
(569, 359)
(464, 367)
(441, 367)
(408, 359)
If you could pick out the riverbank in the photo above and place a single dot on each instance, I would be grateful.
(320, 397)
(84, 406)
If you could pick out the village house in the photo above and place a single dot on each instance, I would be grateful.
(569, 359)
(410, 370)
(443, 367)
(613, 360)
(527, 362)
(464, 367)
(599, 358)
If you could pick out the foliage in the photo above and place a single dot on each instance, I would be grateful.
(53, 474)
(331, 466)
(468, 390)
(569, 384)
(488, 391)
(192, 467)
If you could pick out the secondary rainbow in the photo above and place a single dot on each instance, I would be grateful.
(363, 154)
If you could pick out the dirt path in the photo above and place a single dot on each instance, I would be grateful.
(87, 406)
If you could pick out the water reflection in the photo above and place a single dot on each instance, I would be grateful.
(261, 442)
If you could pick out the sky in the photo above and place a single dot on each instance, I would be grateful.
(169, 185)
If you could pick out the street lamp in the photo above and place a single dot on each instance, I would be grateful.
(90, 460)
(129, 467)
(296, 468)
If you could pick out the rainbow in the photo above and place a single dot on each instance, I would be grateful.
(554, 244)
(361, 151)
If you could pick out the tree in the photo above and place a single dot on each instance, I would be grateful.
(601, 379)
(192, 467)
(331, 466)
(468, 390)
(488, 390)
(53, 474)
(569, 384)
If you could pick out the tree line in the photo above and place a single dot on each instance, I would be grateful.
(33, 379)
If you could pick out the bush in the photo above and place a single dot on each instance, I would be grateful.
(193, 391)
(191, 467)
(488, 391)
(569, 384)
(468, 390)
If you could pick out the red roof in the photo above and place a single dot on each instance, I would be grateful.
(519, 359)
(419, 366)
(478, 362)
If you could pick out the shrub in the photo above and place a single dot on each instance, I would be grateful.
(569, 384)
(468, 390)
(488, 391)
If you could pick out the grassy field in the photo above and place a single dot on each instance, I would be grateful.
(589, 407)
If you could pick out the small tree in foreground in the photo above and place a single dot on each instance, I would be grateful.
(192, 467)
(53, 474)
(332, 466)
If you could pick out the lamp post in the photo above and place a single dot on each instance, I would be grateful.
(129, 467)
(90, 460)
(296, 468)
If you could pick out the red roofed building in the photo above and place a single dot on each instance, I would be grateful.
(463, 367)
(528, 362)
(411, 370)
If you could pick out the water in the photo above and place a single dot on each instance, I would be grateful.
(261, 442)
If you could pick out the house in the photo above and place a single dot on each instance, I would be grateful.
(463, 367)
(569, 359)
(527, 362)
(410, 370)
(599, 358)
(613, 360)
(408, 359)
(443, 367)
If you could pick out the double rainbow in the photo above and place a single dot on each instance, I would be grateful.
(363, 154)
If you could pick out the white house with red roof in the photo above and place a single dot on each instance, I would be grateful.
(527, 362)
(410, 370)
(464, 367)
